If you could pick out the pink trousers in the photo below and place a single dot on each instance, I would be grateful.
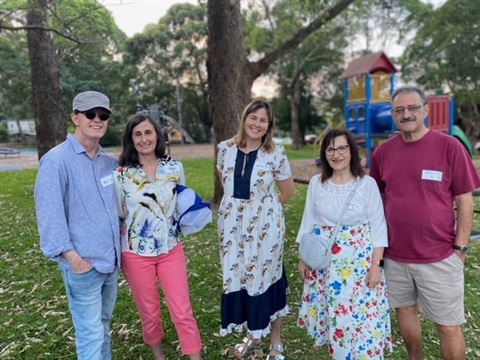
(143, 274)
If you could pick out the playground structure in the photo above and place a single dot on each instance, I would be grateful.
(368, 84)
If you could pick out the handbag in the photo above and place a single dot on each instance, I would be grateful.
(315, 249)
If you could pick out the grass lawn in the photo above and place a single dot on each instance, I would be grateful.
(34, 318)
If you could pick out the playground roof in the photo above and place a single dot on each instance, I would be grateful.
(369, 64)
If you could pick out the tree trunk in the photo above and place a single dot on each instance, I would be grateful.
(46, 92)
(295, 104)
(21, 135)
(230, 76)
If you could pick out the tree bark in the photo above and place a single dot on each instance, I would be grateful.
(230, 77)
(45, 79)
(294, 97)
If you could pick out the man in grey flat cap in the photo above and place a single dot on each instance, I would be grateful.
(78, 223)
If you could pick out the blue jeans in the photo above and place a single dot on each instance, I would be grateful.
(91, 299)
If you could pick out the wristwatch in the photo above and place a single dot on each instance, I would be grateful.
(462, 249)
(378, 262)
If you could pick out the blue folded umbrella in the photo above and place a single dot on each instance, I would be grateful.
(192, 212)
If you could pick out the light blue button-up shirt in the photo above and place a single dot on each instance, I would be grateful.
(76, 206)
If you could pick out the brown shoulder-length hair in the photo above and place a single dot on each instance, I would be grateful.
(129, 155)
(267, 139)
(355, 164)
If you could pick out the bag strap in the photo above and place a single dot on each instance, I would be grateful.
(350, 196)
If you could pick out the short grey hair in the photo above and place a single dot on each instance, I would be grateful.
(410, 89)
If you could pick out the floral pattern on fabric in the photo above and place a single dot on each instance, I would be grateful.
(147, 207)
(338, 309)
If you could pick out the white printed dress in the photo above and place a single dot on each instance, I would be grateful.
(251, 231)
(337, 307)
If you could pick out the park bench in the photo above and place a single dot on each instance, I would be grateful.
(8, 151)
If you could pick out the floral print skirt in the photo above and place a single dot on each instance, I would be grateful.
(337, 307)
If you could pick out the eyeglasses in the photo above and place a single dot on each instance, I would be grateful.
(411, 109)
(342, 149)
(91, 115)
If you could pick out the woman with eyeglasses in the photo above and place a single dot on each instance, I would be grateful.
(152, 253)
(344, 306)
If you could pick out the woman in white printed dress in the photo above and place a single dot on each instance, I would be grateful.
(345, 305)
(251, 227)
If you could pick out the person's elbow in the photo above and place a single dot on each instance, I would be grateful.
(289, 194)
(287, 190)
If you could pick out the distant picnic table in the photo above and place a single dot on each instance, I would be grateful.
(9, 151)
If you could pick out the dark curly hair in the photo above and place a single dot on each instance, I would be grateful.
(355, 164)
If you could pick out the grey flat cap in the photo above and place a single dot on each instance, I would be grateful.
(89, 100)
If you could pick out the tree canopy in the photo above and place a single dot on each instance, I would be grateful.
(199, 62)
(444, 57)
(169, 61)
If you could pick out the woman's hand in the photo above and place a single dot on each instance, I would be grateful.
(304, 269)
(374, 276)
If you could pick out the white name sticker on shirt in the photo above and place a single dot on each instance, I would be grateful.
(355, 207)
(107, 180)
(432, 175)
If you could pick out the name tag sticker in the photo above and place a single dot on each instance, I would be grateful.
(355, 207)
(260, 166)
(107, 180)
(432, 175)
(167, 170)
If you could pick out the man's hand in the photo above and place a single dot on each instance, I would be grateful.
(460, 254)
(78, 264)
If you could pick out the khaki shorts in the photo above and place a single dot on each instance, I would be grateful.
(438, 288)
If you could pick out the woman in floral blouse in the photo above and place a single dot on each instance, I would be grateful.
(152, 253)
(345, 306)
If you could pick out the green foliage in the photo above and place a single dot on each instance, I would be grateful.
(113, 136)
(34, 314)
(444, 50)
(87, 43)
(3, 133)
(310, 121)
(315, 65)
(92, 62)
(15, 89)
(169, 61)
(445, 55)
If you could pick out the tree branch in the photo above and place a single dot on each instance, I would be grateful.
(261, 65)
(34, 27)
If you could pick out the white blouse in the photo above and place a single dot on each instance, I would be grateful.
(325, 202)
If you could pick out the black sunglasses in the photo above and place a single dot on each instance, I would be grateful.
(91, 115)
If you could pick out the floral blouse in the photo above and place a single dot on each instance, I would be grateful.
(147, 208)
